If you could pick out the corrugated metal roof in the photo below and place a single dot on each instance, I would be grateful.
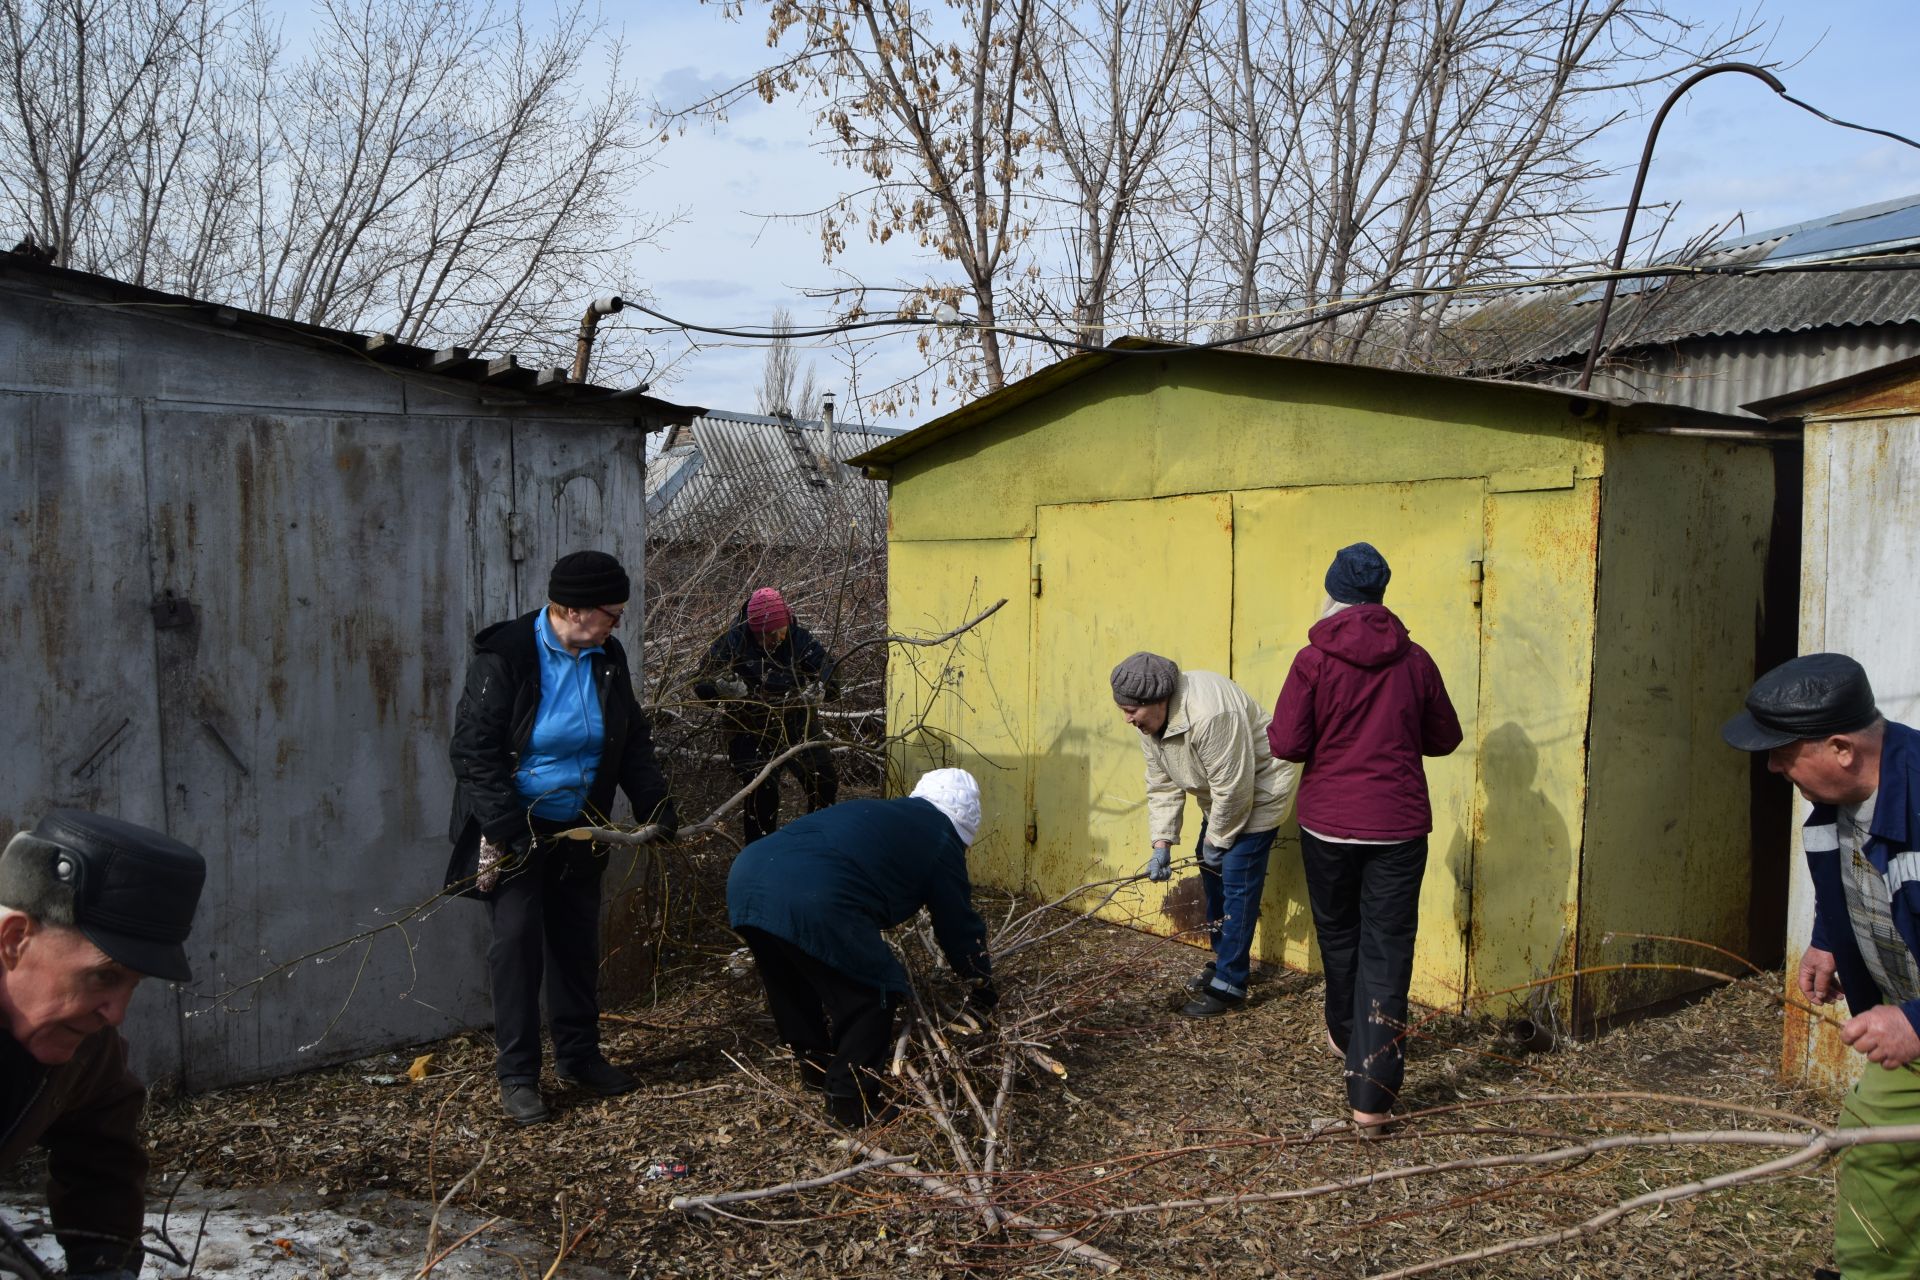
(532, 383)
(735, 477)
(1726, 375)
(1543, 326)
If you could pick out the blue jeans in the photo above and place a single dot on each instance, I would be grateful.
(1233, 908)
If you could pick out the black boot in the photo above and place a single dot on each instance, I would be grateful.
(1196, 985)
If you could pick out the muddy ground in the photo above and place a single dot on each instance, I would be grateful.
(1154, 1108)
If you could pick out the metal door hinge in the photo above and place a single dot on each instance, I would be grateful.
(1036, 579)
(516, 536)
(1476, 578)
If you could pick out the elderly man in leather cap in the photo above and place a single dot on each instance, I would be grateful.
(1816, 719)
(89, 906)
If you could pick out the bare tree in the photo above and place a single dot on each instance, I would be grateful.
(1427, 146)
(1107, 81)
(436, 168)
(928, 106)
(1166, 167)
(786, 392)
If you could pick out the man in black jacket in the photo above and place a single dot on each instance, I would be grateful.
(769, 674)
(547, 727)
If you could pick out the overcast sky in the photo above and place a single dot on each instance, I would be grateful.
(1731, 149)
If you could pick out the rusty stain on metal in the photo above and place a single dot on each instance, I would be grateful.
(1185, 905)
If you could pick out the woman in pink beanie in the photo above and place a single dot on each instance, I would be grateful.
(768, 675)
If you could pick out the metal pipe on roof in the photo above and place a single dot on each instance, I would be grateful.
(826, 422)
(612, 304)
(1639, 184)
(1759, 434)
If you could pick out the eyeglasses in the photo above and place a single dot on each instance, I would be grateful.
(611, 615)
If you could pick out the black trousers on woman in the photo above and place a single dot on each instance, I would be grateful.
(839, 1028)
(546, 925)
(1366, 909)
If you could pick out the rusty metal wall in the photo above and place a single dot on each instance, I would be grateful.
(335, 532)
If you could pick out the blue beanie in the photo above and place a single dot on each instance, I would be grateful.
(1358, 575)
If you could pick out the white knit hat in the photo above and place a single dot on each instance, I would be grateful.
(954, 793)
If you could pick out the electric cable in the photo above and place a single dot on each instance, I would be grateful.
(1848, 124)
(1305, 317)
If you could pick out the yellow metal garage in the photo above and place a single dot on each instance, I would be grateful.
(1588, 574)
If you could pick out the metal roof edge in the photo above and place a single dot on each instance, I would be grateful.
(1035, 385)
(1795, 403)
(468, 372)
(987, 407)
(805, 424)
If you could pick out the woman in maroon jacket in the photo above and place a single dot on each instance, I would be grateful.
(1361, 706)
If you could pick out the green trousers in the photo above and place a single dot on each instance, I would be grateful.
(1876, 1222)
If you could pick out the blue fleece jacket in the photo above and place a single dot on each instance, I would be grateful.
(564, 752)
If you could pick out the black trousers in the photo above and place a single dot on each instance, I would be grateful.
(839, 1028)
(546, 922)
(1366, 909)
(749, 753)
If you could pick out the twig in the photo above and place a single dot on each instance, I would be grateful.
(1815, 1148)
(697, 1204)
(1069, 1245)
(433, 1223)
(23, 1253)
(449, 1251)
(568, 1246)
(928, 641)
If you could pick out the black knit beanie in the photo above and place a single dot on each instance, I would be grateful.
(588, 578)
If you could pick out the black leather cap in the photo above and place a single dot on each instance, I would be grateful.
(134, 890)
(1809, 697)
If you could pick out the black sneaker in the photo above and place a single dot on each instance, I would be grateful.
(598, 1076)
(1196, 985)
(523, 1103)
(1209, 1004)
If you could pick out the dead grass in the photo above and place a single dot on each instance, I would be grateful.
(1154, 1108)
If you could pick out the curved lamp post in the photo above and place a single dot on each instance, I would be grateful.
(1640, 182)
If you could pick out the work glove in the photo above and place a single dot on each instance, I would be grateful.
(491, 857)
(815, 693)
(669, 823)
(731, 687)
(1160, 865)
(984, 997)
(1212, 857)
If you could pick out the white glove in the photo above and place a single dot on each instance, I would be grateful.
(731, 686)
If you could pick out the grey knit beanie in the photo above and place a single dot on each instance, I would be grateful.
(1144, 678)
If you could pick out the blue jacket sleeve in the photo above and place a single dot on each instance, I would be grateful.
(957, 927)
